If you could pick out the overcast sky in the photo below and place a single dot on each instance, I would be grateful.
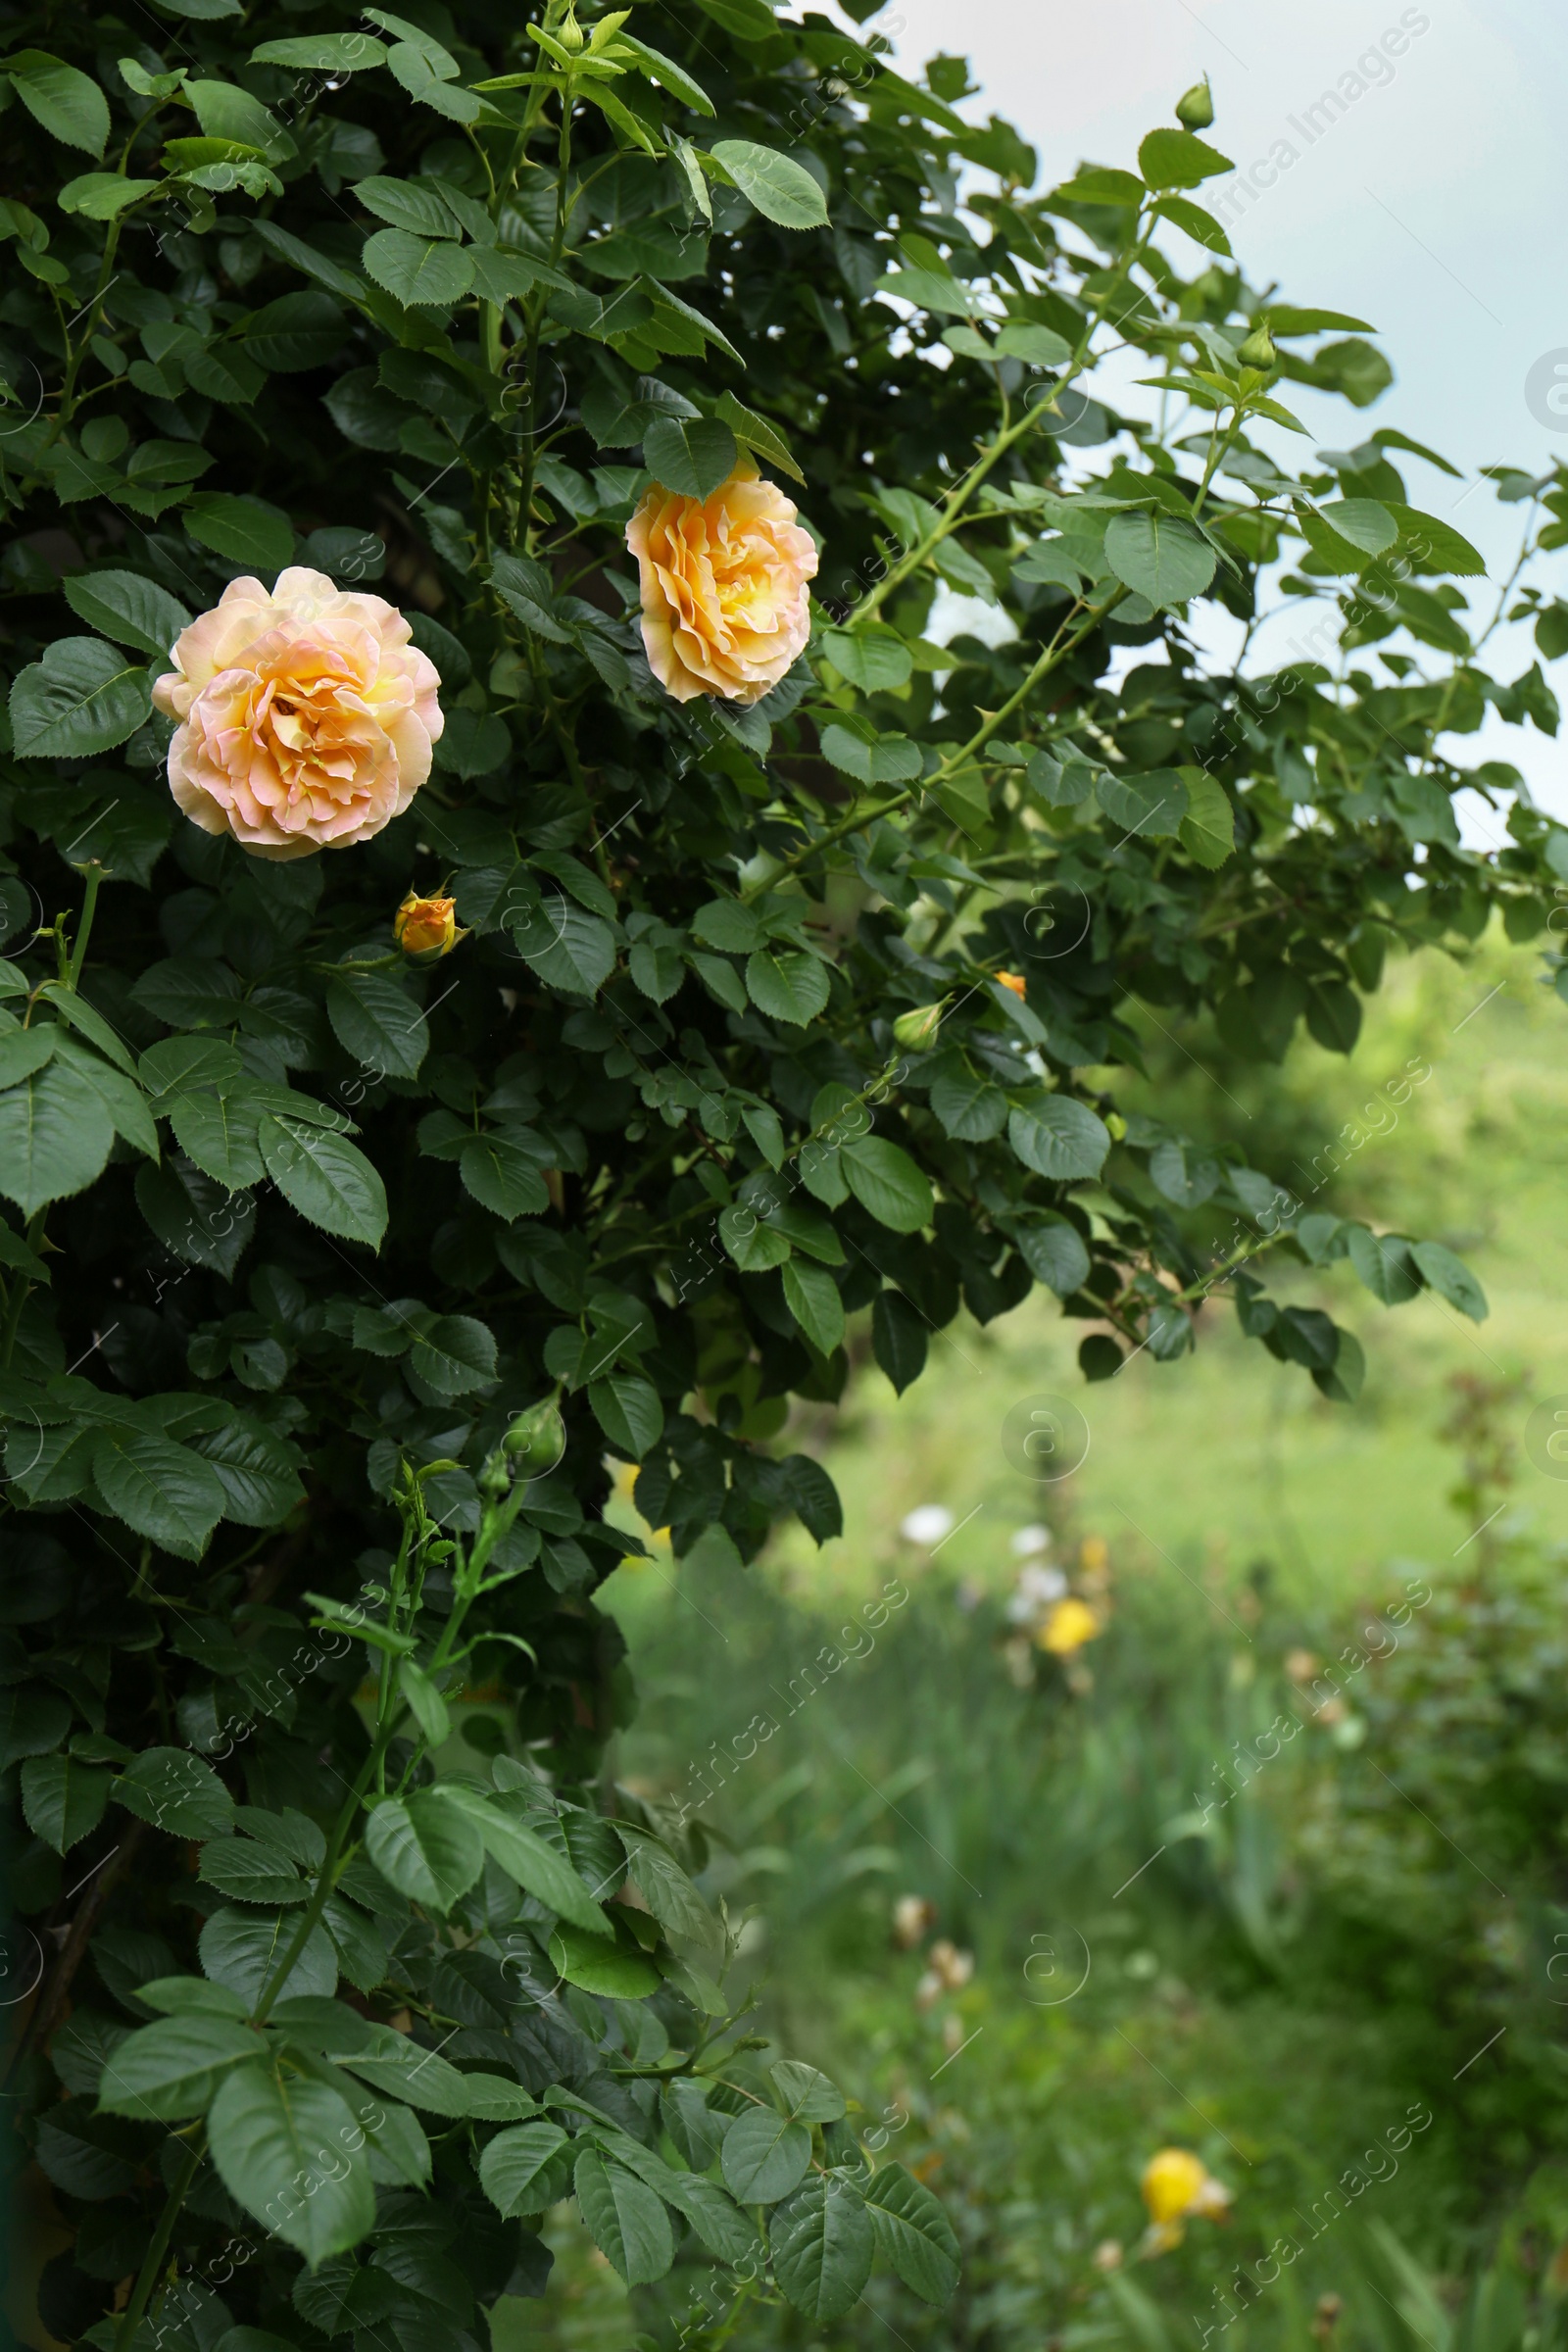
(1433, 206)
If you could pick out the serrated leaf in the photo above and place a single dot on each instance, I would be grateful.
(516, 2165)
(1055, 1253)
(1452, 1279)
(1158, 556)
(782, 190)
(427, 1849)
(601, 1967)
(764, 2156)
(172, 2069)
(871, 758)
(163, 1491)
(377, 1020)
(63, 1798)
(822, 2243)
(690, 455)
(914, 2234)
(418, 272)
(127, 607)
(626, 2220)
(1209, 828)
(787, 985)
(280, 2144)
(524, 1854)
(81, 697)
(888, 1185)
(504, 1174)
(176, 1792)
(241, 528)
(67, 104)
(323, 1176)
(1176, 159)
(568, 947)
(1058, 1137)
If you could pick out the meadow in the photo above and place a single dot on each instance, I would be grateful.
(1269, 1868)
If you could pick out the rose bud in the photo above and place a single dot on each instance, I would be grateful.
(1194, 108)
(917, 1030)
(428, 926)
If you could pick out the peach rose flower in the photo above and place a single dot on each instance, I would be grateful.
(725, 606)
(306, 716)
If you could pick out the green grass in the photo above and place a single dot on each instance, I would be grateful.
(1279, 1989)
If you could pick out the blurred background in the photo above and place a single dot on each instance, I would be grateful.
(1170, 1855)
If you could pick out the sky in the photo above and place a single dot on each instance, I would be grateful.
(1432, 206)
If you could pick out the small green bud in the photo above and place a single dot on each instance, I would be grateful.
(494, 1477)
(917, 1030)
(1115, 1126)
(569, 33)
(1194, 108)
(536, 1441)
(1258, 349)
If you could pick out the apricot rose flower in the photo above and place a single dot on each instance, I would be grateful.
(306, 716)
(726, 605)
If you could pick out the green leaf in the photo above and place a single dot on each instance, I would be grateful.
(759, 434)
(69, 107)
(1208, 829)
(172, 2069)
(426, 1702)
(625, 2219)
(324, 53)
(1058, 1137)
(241, 528)
(764, 2156)
(1386, 1262)
(666, 1887)
(822, 2245)
(257, 1471)
(870, 757)
(874, 658)
(1157, 555)
(249, 1871)
(1437, 545)
(1200, 226)
(102, 195)
(568, 947)
(24, 1050)
(523, 1855)
(456, 1355)
(900, 1337)
(1175, 159)
(782, 190)
(788, 986)
(378, 1021)
(427, 1849)
(807, 2092)
(63, 1798)
(82, 697)
(403, 204)
(244, 1949)
(601, 1967)
(1343, 1380)
(886, 1182)
(163, 1491)
(176, 1792)
(914, 2234)
(505, 1174)
(221, 1137)
(323, 1176)
(419, 272)
(283, 2148)
(1055, 1253)
(627, 1409)
(1452, 1278)
(690, 455)
(972, 1108)
(813, 1297)
(517, 2166)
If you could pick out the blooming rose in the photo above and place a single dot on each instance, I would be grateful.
(725, 606)
(306, 716)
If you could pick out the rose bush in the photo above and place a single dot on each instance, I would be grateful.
(339, 1270)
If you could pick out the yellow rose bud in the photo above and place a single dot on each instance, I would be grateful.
(428, 926)
(1013, 980)
(1070, 1624)
(1172, 2182)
